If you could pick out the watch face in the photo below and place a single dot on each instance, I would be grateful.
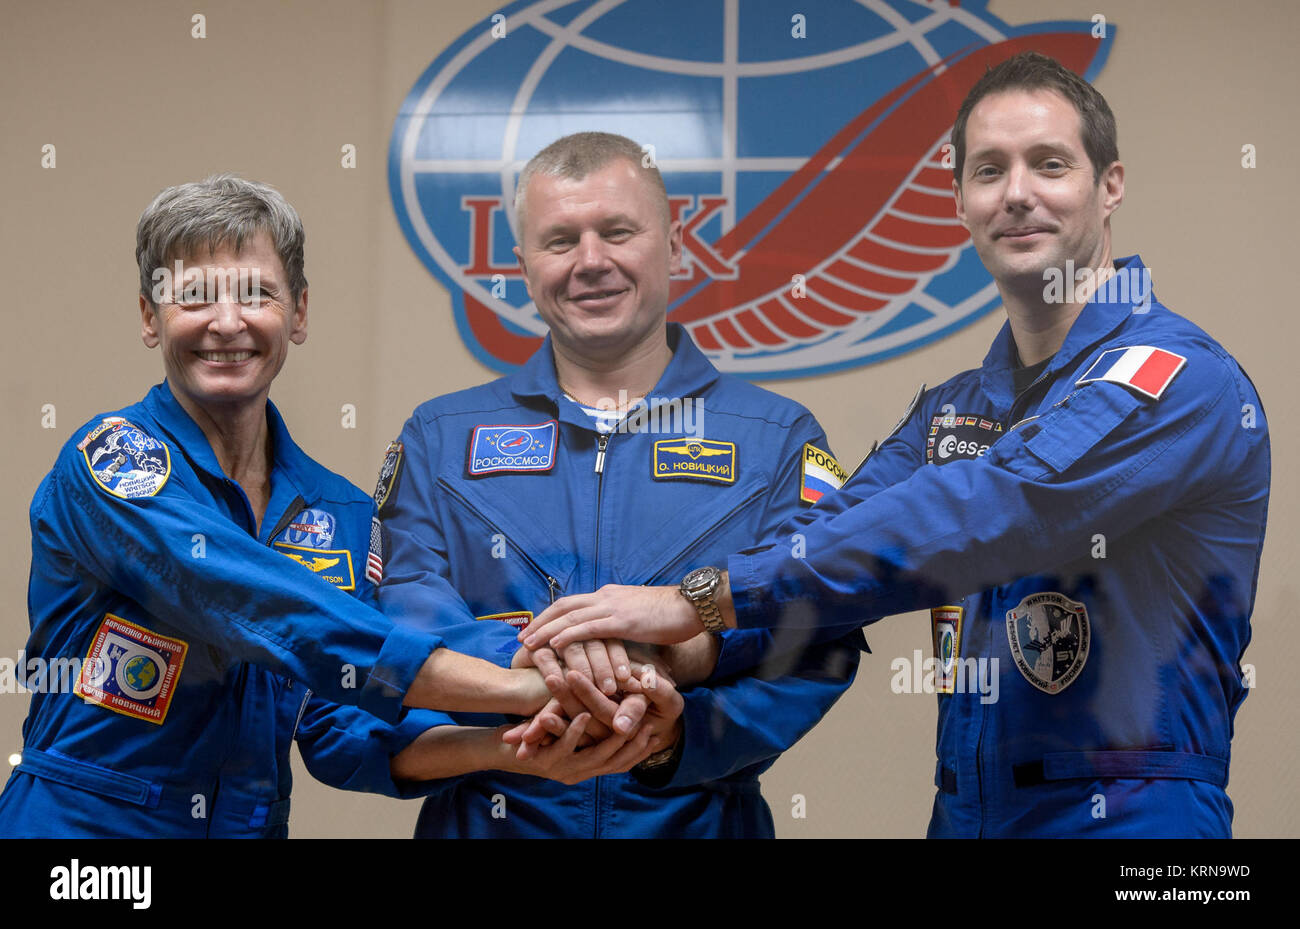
(700, 577)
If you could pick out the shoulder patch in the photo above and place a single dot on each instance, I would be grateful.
(375, 555)
(694, 459)
(130, 670)
(518, 449)
(1141, 368)
(907, 414)
(821, 475)
(125, 460)
(389, 473)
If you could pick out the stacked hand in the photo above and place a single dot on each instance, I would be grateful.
(586, 729)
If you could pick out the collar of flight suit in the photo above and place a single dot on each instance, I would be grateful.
(1097, 320)
(286, 457)
(688, 373)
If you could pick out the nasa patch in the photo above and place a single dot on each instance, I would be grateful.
(516, 618)
(131, 670)
(822, 474)
(310, 529)
(960, 438)
(334, 565)
(124, 460)
(389, 472)
(945, 622)
(1049, 636)
(694, 459)
(517, 449)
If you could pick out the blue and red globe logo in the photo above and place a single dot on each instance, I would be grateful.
(805, 154)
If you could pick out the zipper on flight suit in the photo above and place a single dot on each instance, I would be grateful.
(552, 585)
(1012, 422)
(602, 443)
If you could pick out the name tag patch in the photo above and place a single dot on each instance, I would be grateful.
(131, 670)
(694, 459)
(512, 448)
(124, 460)
(959, 438)
(822, 474)
(334, 566)
(516, 618)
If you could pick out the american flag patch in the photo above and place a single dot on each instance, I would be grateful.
(375, 557)
(1143, 368)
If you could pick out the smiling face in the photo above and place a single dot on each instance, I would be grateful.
(1028, 193)
(220, 354)
(596, 256)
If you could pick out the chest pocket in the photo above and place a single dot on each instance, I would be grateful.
(1057, 439)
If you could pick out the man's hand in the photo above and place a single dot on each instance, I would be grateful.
(454, 682)
(663, 716)
(659, 615)
(567, 763)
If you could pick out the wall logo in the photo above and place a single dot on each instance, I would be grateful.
(808, 171)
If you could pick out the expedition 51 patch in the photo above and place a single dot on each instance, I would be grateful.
(124, 460)
(694, 459)
(1049, 636)
(512, 448)
(131, 670)
(822, 474)
(389, 472)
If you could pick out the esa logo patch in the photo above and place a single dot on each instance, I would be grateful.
(1049, 636)
(516, 618)
(310, 529)
(512, 448)
(389, 472)
(946, 626)
(959, 438)
(131, 670)
(822, 474)
(124, 460)
(694, 459)
(334, 565)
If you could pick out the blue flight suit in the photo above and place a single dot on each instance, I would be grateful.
(178, 641)
(506, 495)
(1095, 542)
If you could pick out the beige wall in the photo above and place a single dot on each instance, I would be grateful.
(132, 104)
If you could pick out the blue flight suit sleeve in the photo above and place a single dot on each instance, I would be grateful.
(1102, 460)
(745, 717)
(241, 596)
(348, 748)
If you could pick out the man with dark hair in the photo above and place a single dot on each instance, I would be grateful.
(617, 453)
(1100, 483)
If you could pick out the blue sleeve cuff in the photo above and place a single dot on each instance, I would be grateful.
(403, 654)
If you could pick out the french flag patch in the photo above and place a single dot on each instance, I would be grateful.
(1143, 368)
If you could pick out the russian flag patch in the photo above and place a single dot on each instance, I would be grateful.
(1142, 368)
(822, 474)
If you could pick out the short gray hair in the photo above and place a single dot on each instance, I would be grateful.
(223, 209)
(575, 156)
